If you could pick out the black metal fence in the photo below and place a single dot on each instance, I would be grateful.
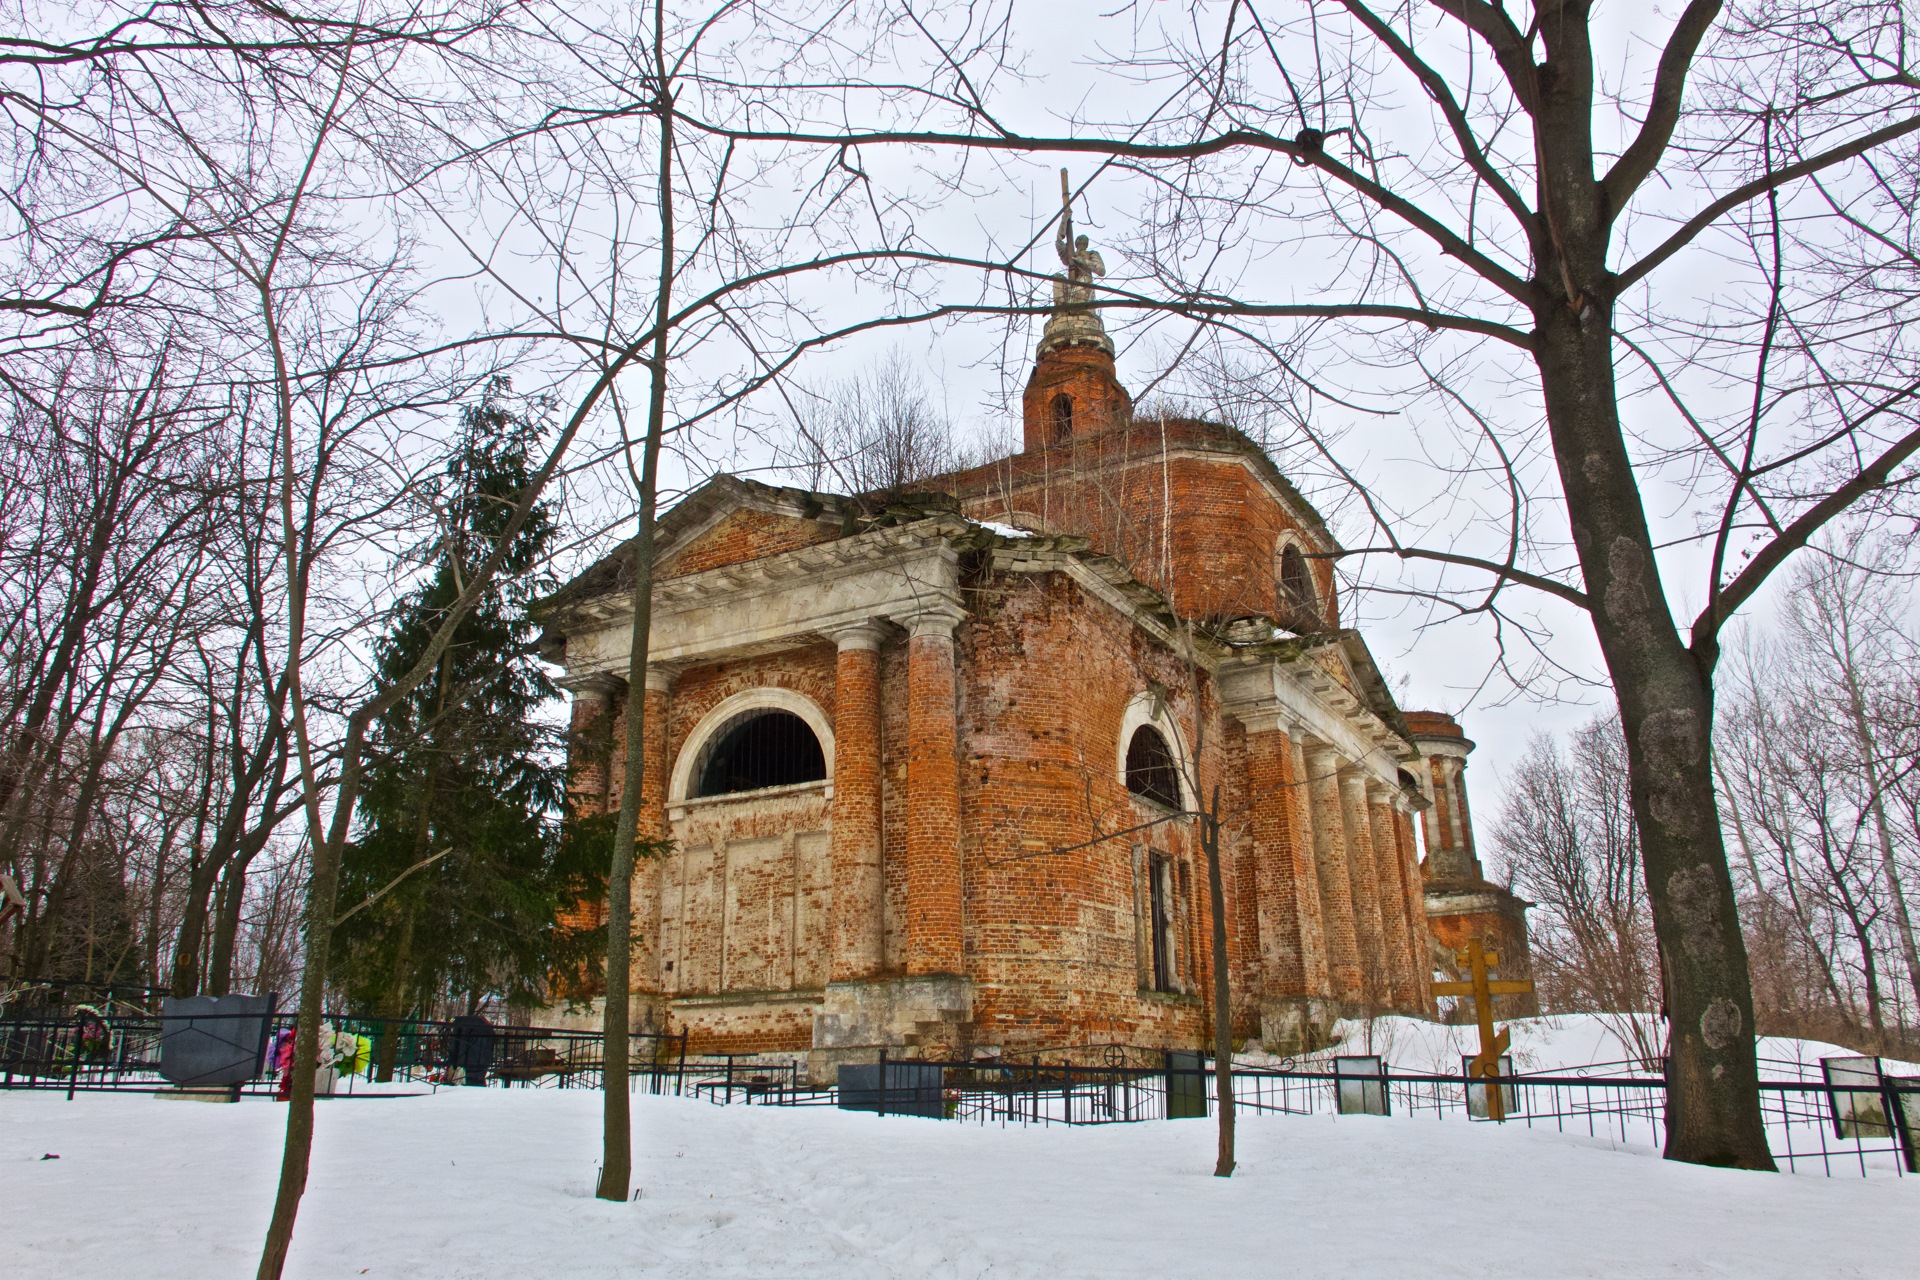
(121, 1051)
(1829, 1125)
(1844, 1116)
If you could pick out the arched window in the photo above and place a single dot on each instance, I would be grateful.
(761, 748)
(1297, 599)
(1062, 418)
(1151, 772)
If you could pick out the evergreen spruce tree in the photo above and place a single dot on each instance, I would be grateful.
(464, 769)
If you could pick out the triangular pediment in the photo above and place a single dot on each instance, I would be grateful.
(727, 520)
(742, 533)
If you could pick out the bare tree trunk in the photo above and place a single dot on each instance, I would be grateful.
(394, 1009)
(226, 925)
(1890, 869)
(1666, 711)
(322, 888)
(616, 1161)
(1222, 994)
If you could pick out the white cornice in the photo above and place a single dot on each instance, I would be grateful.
(1265, 692)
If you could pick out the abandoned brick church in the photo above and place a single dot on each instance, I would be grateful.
(922, 758)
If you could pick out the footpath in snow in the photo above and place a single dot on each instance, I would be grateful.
(498, 1183)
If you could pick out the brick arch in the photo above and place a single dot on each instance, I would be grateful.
(1139, 715)
(726, 711)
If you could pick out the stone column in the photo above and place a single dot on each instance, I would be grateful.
(1286, 887)
(1330, 865)
(858, 887)
(1416, 906)
(1364, 878)
(933, 797)
(1396, 924)
(596, 699)
(1449, 844)
(646, 978)
(1463, 816)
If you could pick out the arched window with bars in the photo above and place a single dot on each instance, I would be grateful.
(760, 749)
(1152, 773)
(1299, 603)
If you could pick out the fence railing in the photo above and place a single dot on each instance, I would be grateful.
(122, 1052)
(1829, 1125)
(1851, 1118)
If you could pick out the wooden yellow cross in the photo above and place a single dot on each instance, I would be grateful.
(1476, 960)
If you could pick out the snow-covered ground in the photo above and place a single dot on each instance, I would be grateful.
(486, 1183)
(1567, 1042)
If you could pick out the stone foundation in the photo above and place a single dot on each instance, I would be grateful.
(930, 1015)
(1298, 1025)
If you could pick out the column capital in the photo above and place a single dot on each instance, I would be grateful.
(1267, 719)
(1321, 757)
(864, 634)
(660, 677)
(939, 618)
(595, 684)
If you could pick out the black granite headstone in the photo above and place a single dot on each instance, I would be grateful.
(208, 1041)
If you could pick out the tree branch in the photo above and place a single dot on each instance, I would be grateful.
(1436, 87)
(392, 884)
(1706, 627)
(1572, 595)
(1450, 242)
(1759, 186)
(1663, 112)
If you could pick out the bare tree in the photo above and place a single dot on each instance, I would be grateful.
(1567, 840)
(875, 433)
(1812, 749)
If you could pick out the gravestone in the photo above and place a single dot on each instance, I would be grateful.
(912, 1088)
(1186, 1085)
(213, 1042)
(1906, 1116)
(1859, 1109)
(1360, 1086)
(1477, 1100)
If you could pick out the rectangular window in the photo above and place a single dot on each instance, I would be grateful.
(1161, 913)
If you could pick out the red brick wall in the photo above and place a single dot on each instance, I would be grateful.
(933, 809)
(742, 536)
(1052, 941)
(1216, 555)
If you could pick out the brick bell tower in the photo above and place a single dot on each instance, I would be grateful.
(1462, 904)
(1073, 392)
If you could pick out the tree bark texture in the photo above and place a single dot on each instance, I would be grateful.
(1665, 694)
(1222, 994)
(1666, 712)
